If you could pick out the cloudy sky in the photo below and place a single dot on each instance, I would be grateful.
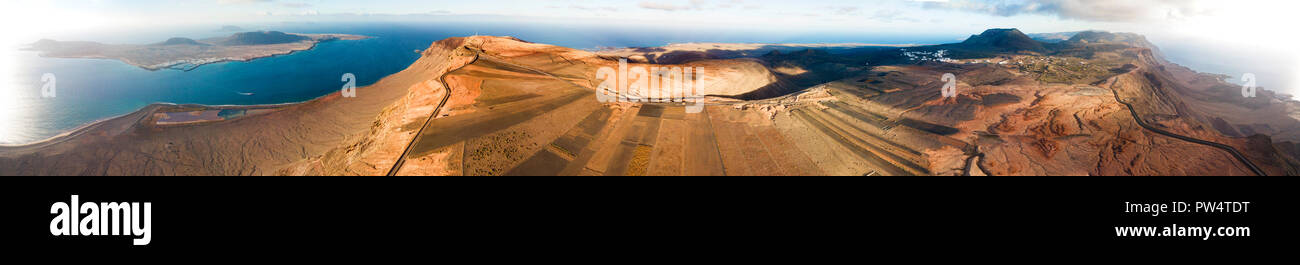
(1241, 22)
(1260, 29)
(870, 16)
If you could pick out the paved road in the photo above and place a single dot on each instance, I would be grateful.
(401, 160)
(1227, 148)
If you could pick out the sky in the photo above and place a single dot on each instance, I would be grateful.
(1260, 24)
(876, 16)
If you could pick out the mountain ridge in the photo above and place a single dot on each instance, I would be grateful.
(1009, 39)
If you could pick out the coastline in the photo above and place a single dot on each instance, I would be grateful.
(144, 113)
(126, 53)
(228, 59)
(147, 111)
(328, 133)
(153, 107)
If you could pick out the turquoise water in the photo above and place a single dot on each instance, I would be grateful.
(93, 89)
(88, 90)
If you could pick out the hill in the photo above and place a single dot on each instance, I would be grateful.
(262, 38)
(182, 41)
(1004, 40)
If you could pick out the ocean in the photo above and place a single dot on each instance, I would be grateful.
(1274, 70)
(88, 90)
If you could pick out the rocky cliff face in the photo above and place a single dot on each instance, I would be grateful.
(375, 150)
(1166, 99)
(331, 135)
(1071, 132)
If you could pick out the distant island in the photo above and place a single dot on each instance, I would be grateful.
(186, 54)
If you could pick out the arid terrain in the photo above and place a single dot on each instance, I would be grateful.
(187, 54)
(1096, 103)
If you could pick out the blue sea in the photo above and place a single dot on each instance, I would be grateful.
(88, 90)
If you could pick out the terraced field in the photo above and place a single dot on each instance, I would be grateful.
(538, 115)
(531, 112)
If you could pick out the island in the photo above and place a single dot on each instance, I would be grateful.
(186, 54)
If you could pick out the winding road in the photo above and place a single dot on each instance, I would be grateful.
(478, 54)
(401, 160)
(1224, 147)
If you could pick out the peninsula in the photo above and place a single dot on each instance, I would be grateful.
(186, 54)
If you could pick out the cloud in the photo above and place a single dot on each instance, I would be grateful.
(656, 5)
(592, 8)
(733, 3)
(224, 2)
(888, 15)
(1088, 10)
(845, 10)
(296, 5)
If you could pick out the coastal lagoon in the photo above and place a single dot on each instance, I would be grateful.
(88, 90)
